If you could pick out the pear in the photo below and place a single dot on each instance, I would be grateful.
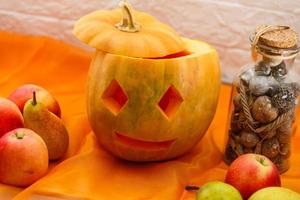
(46, 124)
(217, 190)
(275, 193)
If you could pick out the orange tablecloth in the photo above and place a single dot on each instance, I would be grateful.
(88, 172)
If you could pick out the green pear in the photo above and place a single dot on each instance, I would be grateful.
(275, 193)
(51, 128)
(218, 190)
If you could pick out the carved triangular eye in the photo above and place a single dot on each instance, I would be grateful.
(170, 101)
(114, 98)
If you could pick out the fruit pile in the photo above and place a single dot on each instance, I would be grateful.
(32, 133)
(250, 176)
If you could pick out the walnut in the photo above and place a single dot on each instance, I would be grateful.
(237, 103)
(270, 148)
(235, 123)
(249, 139)
(262, 69)
(263, 110)
(285, 150)
(279, 71)
(284, 137)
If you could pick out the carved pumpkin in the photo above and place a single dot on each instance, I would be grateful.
(151, 95)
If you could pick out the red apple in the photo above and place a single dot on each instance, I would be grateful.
(22, 94)
(23, 157)
(252, 172)
(10, 116)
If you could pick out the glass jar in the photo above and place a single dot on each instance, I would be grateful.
(264, 101)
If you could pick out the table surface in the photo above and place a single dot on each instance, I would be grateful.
(87, 171)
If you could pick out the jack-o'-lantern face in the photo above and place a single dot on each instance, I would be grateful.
(114, 99)
(151, 93)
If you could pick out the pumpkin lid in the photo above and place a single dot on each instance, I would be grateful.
(128, 32)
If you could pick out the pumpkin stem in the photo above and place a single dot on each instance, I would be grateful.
(128, 23)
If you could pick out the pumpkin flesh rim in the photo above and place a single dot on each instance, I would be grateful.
(194, 48)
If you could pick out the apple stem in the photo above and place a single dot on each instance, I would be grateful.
(192, 187)
(34, 99)
(20, 135)
(261, 160)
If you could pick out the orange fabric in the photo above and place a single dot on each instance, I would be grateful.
(88, 172)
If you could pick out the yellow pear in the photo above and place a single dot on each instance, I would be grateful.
(217, 190)
(51, 128)
(275, 193)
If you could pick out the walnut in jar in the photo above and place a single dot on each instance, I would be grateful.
(270, 148)
(249, 139)
(235, 125)
(285, 150)
(262, 69)
(284, 133)
(263, 110)
(237, 103)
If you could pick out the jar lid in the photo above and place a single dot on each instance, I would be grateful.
(127, 32)
(275, 40)
(279, 37)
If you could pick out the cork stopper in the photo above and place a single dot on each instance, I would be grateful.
(281, 37)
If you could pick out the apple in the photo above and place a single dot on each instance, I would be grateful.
(23, 157)
(218, 190)
(10, 116)
(22, 94)
(275, 193)
(252, 172)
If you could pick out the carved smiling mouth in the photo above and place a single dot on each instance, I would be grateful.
(143, 144)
